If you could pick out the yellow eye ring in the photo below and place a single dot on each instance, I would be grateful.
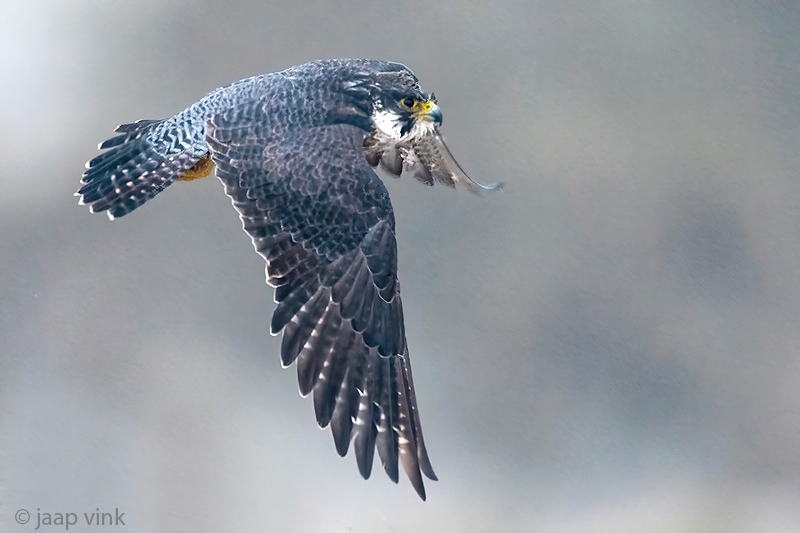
(408, 102)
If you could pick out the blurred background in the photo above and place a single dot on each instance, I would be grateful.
(610, 344)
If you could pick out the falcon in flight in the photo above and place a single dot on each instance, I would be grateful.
(295, 151)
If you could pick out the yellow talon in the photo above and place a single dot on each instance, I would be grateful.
(201, 169)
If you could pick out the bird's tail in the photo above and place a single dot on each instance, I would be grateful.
(142, 161)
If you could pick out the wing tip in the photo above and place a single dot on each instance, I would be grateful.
(492, 187)
(477, 187)
(425, 463)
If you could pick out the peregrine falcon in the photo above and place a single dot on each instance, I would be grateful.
(295, 151)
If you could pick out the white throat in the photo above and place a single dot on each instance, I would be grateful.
(420, 129)
(388, 123)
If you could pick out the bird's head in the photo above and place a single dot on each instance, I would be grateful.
(407, 114)
(404, 112)
(400, 110)
(403, 123)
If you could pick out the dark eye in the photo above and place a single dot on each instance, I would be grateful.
(408, 101)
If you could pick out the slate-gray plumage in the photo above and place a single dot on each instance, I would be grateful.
(294, 150)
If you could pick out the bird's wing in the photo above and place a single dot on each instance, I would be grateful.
(425, 157)
(428, 157)
(322, 220)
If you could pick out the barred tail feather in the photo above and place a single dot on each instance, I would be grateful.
(139, 164)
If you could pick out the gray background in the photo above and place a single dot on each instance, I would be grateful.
(611, 344)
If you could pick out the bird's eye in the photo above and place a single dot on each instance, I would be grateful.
(408, 102)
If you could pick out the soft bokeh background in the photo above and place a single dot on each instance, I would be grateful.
(611, 344)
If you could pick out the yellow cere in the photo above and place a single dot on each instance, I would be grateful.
(422, 109)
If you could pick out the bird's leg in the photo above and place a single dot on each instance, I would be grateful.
(201, 169)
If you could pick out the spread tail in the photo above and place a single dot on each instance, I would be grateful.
(142, 161)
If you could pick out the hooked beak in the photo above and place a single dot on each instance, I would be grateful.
(428, 112)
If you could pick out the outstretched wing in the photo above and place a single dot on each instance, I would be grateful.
(428, 158)
(425, 157)
(322, 220)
